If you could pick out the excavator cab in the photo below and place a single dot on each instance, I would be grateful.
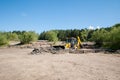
(73, 43)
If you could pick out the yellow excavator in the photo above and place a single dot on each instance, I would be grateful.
(74, 43)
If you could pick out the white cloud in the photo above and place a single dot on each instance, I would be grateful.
(91, 27)
(98, 27)
(94, 27)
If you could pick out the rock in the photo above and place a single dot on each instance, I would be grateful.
(118, 51)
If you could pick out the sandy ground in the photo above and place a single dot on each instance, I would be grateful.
(16, 64)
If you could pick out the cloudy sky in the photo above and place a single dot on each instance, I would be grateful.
(42, 15)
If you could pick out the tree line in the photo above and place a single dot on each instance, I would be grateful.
(23, 36)
(61, 35)
(104, 37)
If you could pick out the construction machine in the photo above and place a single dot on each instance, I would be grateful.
(74, 43)
(71, 45)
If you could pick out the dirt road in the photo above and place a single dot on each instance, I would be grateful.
(16, 64)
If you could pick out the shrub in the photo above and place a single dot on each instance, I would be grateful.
(3, 40)
(27, 37)
(99, 36)
(51, 36)
(12, 36)
(114, 39)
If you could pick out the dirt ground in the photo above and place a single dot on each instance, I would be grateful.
(17, 64)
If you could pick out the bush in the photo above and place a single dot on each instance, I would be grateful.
(51, 36)
(99, 36)
(114, 39)
(107, 38)
(27, 37)
(3, 40)
(12, 36)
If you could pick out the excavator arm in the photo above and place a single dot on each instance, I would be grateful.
(79, 43)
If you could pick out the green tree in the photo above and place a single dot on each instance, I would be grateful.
(3, 40)
(113, 39)
(75, 33)
(99, 36)
(84, 34)
(27, 37)
(90, 32)
(61, 35)
(51, 36)
(42, 36)
(12, 36)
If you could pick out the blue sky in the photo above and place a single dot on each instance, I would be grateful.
(42, 15)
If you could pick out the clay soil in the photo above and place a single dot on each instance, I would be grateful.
(18, 64)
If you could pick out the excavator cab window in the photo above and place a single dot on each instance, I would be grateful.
(72, 41)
